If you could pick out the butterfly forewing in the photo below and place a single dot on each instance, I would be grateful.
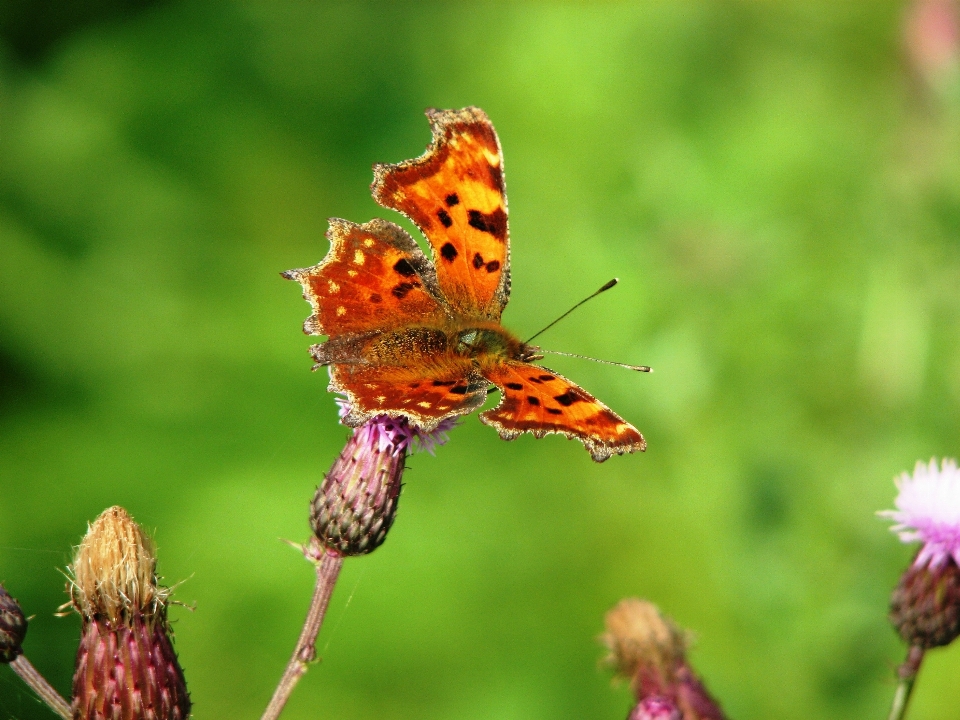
(455, 194)
(375, 277)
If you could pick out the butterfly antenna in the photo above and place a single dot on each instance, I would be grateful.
(638, 368)
(601, 290)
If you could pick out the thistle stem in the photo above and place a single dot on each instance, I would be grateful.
(38, 683)
(907, 673)
(328, 566)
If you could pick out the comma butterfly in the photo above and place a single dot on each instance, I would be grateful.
(420, 339)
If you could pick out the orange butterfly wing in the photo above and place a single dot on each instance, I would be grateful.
(455, 194)
(540, 401)
(425, 394)
(375, 277)
(375, 295)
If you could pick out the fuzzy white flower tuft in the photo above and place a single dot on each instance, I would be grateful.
(928, 511)
(397, 434)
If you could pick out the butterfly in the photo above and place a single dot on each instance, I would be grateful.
(419, 338)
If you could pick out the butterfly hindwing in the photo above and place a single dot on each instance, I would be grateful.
(374, 277)
(424, 396)
(455, 194)
(539, 401)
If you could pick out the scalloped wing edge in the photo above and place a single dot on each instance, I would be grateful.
(394, 234)
(356, 417)
(599, 450)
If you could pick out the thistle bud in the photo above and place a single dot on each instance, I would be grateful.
(126, 666)
(354, 507)
(925, 606)
(649, 651)
(13, 627)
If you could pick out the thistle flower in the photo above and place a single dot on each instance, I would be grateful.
(649, 651)
(354, 507)
(925, 606)
(126, 667)
(655, 707)
(928, 511)
(13, 627)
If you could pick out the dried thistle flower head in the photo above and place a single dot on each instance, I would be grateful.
(638, 636)
(114, 570)
(649, 650)
(126, 667)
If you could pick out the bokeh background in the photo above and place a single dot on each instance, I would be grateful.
(776, 185)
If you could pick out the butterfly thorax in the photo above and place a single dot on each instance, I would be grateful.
(481, 343)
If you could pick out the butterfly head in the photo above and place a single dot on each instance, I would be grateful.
(494, 342)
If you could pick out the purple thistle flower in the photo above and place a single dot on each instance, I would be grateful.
(928, 511)
(656, 707)
(397, 434)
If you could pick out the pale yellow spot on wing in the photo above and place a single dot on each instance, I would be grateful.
(352, 273)
(381, 398)
(424, 404)
(368, 242)
(332, 286)
(492, 157)
(341, 311)
(358, 258)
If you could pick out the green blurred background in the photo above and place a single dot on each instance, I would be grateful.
(776, 185)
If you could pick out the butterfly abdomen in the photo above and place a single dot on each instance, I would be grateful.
(402, 347)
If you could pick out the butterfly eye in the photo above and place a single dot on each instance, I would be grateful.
(466, 340)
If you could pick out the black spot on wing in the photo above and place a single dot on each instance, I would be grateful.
(568, 398)
(493, 266)
(448, 252)
(514, 386)
(459, 390)
(444, 217)
(452, 200)
(532, 400)
(611, 417)
(401, 290)
(404, 268)
(547, 377)
(554, 411)
(478, 261)
(494, 223)
(444, 383)
(496, 178)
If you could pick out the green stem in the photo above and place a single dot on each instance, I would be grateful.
(38, 683)
(907, 673)
(328, 566)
